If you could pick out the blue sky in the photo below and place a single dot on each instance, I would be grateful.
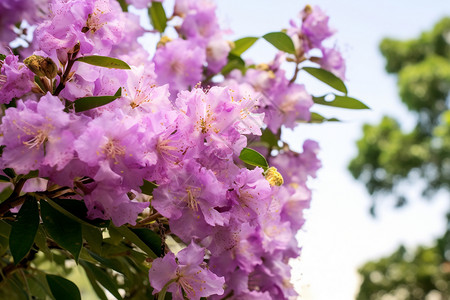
(340, 235)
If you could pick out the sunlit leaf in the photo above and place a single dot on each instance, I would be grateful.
(234, 62)
(254, 158)
(341, 101)
(281, 41)
(328, 78)
(241, 45)
(104, 61)
(158, 16)
(87, 103)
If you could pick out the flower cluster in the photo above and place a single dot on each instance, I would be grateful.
(171, 125)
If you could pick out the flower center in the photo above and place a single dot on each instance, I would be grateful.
(112, 149)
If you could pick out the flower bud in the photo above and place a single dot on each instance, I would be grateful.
(41, 66)
(274, 177)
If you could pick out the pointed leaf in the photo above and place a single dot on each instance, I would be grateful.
(328, 78)
(63, 289)
(281, 41)
(254, 158)
(23, 230)
(148, 187)
(2, 56)
(93, 237)
(87, 103)
(5, 229)
(150, 238)
(234, 62)
(104, 61)
(157, 16)
(4, 178)
(98, 290)
(342, 102)
(317, 118)
(65, 231)
(134, 238)
(103, 278)
(241, 45)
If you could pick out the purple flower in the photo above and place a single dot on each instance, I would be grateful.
(185, 274)
(195, 190)
(315, 26)
(332, 61)
(93, 23)
(15, 79)
(179, 63)
(35, 134)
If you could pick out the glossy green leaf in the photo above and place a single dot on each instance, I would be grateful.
(158, 16)
(254, 158)
(104, 61)
(87, 103)
(134, 238)
(317, 118)
(328, 78)
(65, 231)
(281, 41)
(2, 56)
(112, 263)
(234, 62)
(148, 187)
(241, 45)
(341, 101)
(150, 238)
(103, 278)
(23, 230)
(63, 289)
(123, 5)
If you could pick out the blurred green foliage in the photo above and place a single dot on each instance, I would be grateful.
(388, 155)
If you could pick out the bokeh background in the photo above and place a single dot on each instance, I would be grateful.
(340, 235)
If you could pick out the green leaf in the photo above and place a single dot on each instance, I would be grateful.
(5, 229)
(87, 103)
(134, 238)
(241, 45)
(254, 158)
(63, 289)
(9, 172)
(4, 178)
(2, 56)
(328, 78)
(23, 230)
(281, 41)
(234, 62)
(150, 238)
(148, 187)
(104, 61)
(93, 237)
(76, 210)
(157, 16)
(41, 241)
(98, 290)
(269, 138)
(123, 5)
(65, 231)
(317, 118)
(341, 101)
(103, 278)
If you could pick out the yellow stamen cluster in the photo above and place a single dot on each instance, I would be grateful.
(274, 177)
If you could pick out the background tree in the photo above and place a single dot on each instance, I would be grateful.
(388, 155)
